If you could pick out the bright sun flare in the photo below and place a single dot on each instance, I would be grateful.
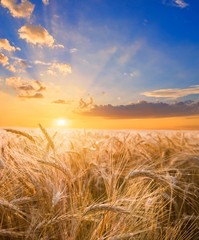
(62, 122)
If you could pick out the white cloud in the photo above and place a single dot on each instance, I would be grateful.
(58, 46)
(51, 72)
(135, 74)
(173, 92)
(5, 45)
(45, 2)
(23, 9)
(73, 50)
(3, 59)
(38, 62)
(54, 67)
(36, 35)
(180, 3)
(60, 67)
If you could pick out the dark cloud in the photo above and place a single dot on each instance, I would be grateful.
(60, 101)
(85, 105)
(144, 110)
(36, 95)
(26, 88)
(41, 86)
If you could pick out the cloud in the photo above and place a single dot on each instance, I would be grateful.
(18, 66)
(38, 62)
(23, 9)
(173, 92)
(60, 67)
(73, 50)
(5, 45)
(176, 3)
(11, 68)
(36, 95)
(58, 46)
(26, 88)
(85, 105)
(36, 35)
(54, 68)
(61, 101)
(45, 2)
(135, 74)
(21, 65)
(180, 3)
(144, 109)
(3, 59)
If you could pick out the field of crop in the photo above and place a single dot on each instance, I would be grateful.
(98, 185)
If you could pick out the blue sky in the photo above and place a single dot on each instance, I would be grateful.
(100, 51)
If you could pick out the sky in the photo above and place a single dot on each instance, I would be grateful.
(125, 64)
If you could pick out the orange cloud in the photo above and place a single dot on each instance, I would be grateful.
(36, 35)
(26, 88)
(36, 95)
(20, 65)
(5, 45)
(23, 9)
(85, 105)
(3, 59)
(61, 101)
(11, 68)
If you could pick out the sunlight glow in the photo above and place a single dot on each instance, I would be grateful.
(62, 122)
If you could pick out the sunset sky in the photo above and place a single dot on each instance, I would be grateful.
(100, 63)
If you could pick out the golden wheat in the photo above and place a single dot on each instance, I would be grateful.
(99, 185)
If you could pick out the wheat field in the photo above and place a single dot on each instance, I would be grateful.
(98, 185)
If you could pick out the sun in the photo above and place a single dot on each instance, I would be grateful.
(62, 122)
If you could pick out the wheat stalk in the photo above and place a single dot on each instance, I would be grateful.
(49, 139)
(105, 207)
(144, 173)
(10, 234)
(127, 236)
(65, 171)
(20, 133)
(12, 207)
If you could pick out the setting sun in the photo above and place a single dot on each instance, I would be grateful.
(62, 122)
